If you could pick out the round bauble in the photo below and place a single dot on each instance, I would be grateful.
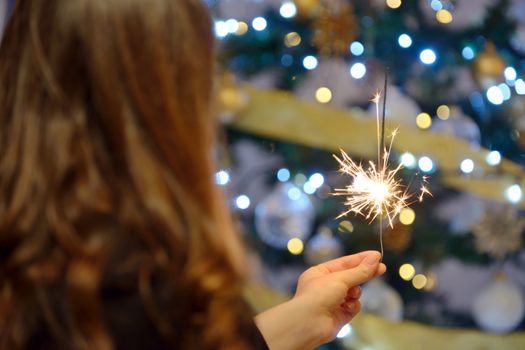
(489, 67)
(380, 299)
(323, 246)
(285, 213)
(500, 307)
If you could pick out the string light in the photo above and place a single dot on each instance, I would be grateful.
(242, 202)
(428, 56)
(283, 175)
(243, 28)
(259, 24)
(510, 73)
(407, 271)
(356, 48)
(493, 158)
(467, 53)
(419, 281)
(294, 193)
(233, 25)
(519, 85)
(310, 62)
(425, 164)
(295, 246)
(222, 178)
(408, 160)
(404, 40)
(323, 95)
(443, 112)
(288, 9)
(505, 91)
(494, 95)
(292, 39)
(423, 120)
(467, 166)
(308, 188)
(444, 16)
(221, 29)
(317, 180)
(407, 216)
(436, 5)
(513, 193)
(393, 4)
(358, 70)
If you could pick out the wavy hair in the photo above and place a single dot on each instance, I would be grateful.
(108, 210)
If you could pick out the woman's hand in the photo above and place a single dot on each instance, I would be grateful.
(327, 298)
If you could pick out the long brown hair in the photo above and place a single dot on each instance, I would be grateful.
(106, 186)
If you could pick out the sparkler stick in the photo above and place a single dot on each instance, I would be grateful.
(375, 191)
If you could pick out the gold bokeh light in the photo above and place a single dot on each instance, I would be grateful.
(292, 39)
(419, 281)
(407, 216)
(393, 4)
(423, 120)
(323, 95)
(444, 16)
(243, 28)
(443, 112)
(407, 271)
(295, 246)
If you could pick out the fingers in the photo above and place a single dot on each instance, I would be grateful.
(346, 262)
(352, 307)
(380, 270)
(366, 270)
(353, 293)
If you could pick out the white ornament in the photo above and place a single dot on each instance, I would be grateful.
(380, 299)
(285, 213)
(461, 212)
(323, 247)
(499, 308)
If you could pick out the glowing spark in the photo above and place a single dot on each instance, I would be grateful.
(375, 190)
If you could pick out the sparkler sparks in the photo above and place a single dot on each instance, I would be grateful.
(375, 190)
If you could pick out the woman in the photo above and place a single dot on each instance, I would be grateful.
(112, 234)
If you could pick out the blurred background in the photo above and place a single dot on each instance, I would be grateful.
(296, 79)
(294, 84)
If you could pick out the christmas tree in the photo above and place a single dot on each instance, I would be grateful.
(297, 79)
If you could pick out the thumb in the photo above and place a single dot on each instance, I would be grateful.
(363, 272)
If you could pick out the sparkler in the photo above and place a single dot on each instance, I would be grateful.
(375, 191)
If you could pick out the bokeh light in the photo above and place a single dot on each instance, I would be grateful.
(404, 40)
(419, 281)
(428, 56)
(358, 70)
(323, 95)
(443, 112)
(407, 271)
(407, 216)
(295, 246)
(423, 120)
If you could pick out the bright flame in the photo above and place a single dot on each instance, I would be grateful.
(375, 190)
